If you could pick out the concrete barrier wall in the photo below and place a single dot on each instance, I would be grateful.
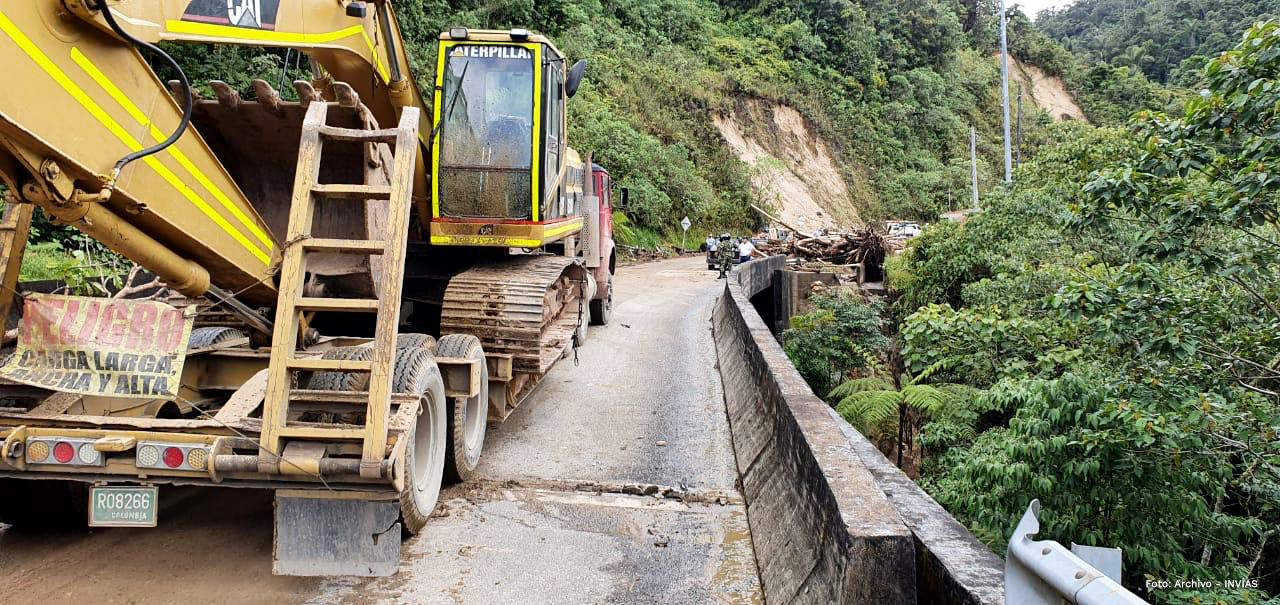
(829, 526)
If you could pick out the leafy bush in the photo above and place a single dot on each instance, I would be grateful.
(842, 335)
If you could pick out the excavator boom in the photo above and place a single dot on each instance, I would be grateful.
(211, 208)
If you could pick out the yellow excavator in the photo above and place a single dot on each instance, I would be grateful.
(374, 273)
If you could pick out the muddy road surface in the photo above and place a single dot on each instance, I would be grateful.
(613, 482)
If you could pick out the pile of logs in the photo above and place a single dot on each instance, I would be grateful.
(862, 247)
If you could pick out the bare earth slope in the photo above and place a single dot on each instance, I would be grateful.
(1045, 91)
(791, 168)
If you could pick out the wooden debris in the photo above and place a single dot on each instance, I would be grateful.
(834, 250)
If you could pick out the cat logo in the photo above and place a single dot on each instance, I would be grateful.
(486, 229)
(255, 14)
(498, 51)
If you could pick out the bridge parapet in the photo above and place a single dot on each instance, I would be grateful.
(832, 520)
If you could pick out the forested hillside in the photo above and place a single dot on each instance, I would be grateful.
(1103, 336)
(891, 88)
(1168, 40)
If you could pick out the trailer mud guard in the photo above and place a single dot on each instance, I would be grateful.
(321, 533)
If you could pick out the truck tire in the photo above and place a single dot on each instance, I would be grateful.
(468, 416)
(424, 454)
(43, 504)
(422, 341)
(359, 381)
(602, 308)
(343, 381)
(212, 335)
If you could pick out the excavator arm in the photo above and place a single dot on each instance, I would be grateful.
(210, 208)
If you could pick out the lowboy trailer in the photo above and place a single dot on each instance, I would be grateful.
(367, 275)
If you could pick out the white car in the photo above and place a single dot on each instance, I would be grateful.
(905, 230)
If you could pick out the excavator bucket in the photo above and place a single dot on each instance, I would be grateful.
(257, 142)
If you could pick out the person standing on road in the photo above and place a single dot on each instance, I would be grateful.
(745, 250)
(727, 253)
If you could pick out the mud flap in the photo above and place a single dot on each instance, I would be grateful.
(343, 536)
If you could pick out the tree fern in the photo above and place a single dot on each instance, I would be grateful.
(926, 399)
(874, 407)
(858, 385)
(870, 411)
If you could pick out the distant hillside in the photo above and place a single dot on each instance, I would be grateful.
(1169, 40)
(848, 110)
(885, 91)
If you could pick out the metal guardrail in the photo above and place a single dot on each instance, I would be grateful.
(1043, 572)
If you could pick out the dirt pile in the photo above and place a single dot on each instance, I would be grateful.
(791, 168)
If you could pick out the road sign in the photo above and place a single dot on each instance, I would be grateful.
(686, 223)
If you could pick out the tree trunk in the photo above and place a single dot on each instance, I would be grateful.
(971, 20)
(1262, 545)
(1207, 554)
(902, 407)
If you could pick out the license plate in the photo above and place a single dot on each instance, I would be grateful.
(111, 506)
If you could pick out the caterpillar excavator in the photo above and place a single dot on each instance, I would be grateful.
(374, 272)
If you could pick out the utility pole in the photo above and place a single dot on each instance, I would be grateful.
(1004, 91)
(1019, 124)
(973, 162)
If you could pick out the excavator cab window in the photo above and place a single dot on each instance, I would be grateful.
(487, 140)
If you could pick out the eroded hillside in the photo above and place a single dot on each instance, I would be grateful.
(1045, 91)
(791, 168)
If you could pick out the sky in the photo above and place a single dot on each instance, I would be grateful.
(1032, 7)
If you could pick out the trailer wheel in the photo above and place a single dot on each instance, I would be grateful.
(37, 504)
(422, 341)
(343, 381)
(416, 373)
(212, 335)
(602, 308)
(469, 416)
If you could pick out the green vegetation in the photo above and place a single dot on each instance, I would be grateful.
(1167, 40)
(892, 414)
(839, 340)
(1123, 339)
(1104, 336)
(86, 271)
(892, 87)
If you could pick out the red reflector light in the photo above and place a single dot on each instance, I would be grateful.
(172, 457)
(63, 452)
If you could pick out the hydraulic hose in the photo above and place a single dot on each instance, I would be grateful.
(187, 105)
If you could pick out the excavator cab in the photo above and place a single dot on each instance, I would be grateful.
(501, 172)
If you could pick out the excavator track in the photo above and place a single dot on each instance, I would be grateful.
(527, 307)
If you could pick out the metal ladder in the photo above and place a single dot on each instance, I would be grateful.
(292, 303)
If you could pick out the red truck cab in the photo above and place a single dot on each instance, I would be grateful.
(604, 262)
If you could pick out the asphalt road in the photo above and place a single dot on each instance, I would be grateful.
(613, 483)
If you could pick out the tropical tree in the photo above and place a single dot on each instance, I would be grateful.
(881, 408)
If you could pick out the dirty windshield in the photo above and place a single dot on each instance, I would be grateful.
(487, 138)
